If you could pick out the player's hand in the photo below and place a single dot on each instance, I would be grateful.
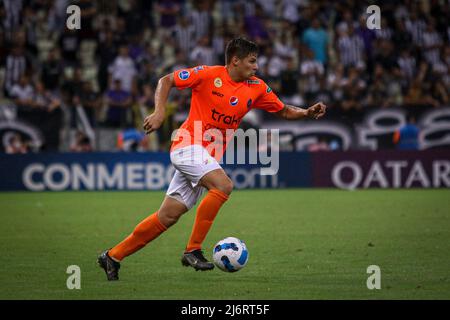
(316, 111)
(153, 122)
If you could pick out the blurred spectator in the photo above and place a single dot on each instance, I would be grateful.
(385, 55)
(407, 64)
(123, 69)
(23, 95)
(284, 47)
(180, 63)
(119, 102)
(12, 17)
(407, 137)
(345, 22)
(385, 32)
(290, 84)
(52, 69)
(270, 64)
(50, 116)
(136, 47)
(168, 11)
(417, 96)
(324, 94)
(316, 39)
(71, 86)
(88, 11)
(135, 18)
(202, 54)
(228, 9)
(43, 99)
(81, 143)
(148, 75)
(256, 27)
(184, 35)
(440, 93)
(291, 10)
(69, 42)
(16, 145)
(416, 27)
(432, 43)
(201, 19)
(40, 108)
(369, 37)
(16, 65)
(401, 37)
(336, 82)
(106, 53)
(311, 71)
(350, 48)
(3, 48)
(376, 97)
(57, 15)
(132, 140)
(89, 101)
(320, 145)
(147, 98)
(29, 30)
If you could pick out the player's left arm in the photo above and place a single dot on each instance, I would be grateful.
(289, 112)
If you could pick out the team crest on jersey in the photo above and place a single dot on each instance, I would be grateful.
(234, 101)
(184, 75)
(253, 82)
(217, 82)
(268, 89)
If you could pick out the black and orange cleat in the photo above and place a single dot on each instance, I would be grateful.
(110, 266)
(196, 260)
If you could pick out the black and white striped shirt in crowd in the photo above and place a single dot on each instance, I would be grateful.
(201, 22)
(384, 33)
(13, 9)
(416, 29)
(408, 66)
(431, 39)
(351, 49)
(202, 56)
(184, 37)
(15, 67)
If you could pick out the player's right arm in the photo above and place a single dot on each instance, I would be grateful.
(155, 120)
(181, 79)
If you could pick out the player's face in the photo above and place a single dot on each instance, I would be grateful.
(248, 66)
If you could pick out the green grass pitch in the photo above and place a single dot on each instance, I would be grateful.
(303, 244)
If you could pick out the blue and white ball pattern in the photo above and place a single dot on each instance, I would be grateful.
(230, 254)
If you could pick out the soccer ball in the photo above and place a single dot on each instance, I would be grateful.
(230, 254)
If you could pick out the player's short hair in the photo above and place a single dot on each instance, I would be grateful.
(241, 48)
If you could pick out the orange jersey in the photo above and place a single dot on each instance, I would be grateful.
(219, 103)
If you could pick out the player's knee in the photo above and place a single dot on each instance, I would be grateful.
(226, 186)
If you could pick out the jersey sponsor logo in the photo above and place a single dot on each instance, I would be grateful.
(269, 89)
(217, 82)
(234, 101)
(216, 93)
(222, 117)
(249, 103)
(184, 75)
(253, 82)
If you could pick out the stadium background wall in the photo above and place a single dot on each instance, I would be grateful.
(153, 171)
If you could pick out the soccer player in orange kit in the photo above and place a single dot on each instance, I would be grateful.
(221, 96)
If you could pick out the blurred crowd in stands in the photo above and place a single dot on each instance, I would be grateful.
(103, 76)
